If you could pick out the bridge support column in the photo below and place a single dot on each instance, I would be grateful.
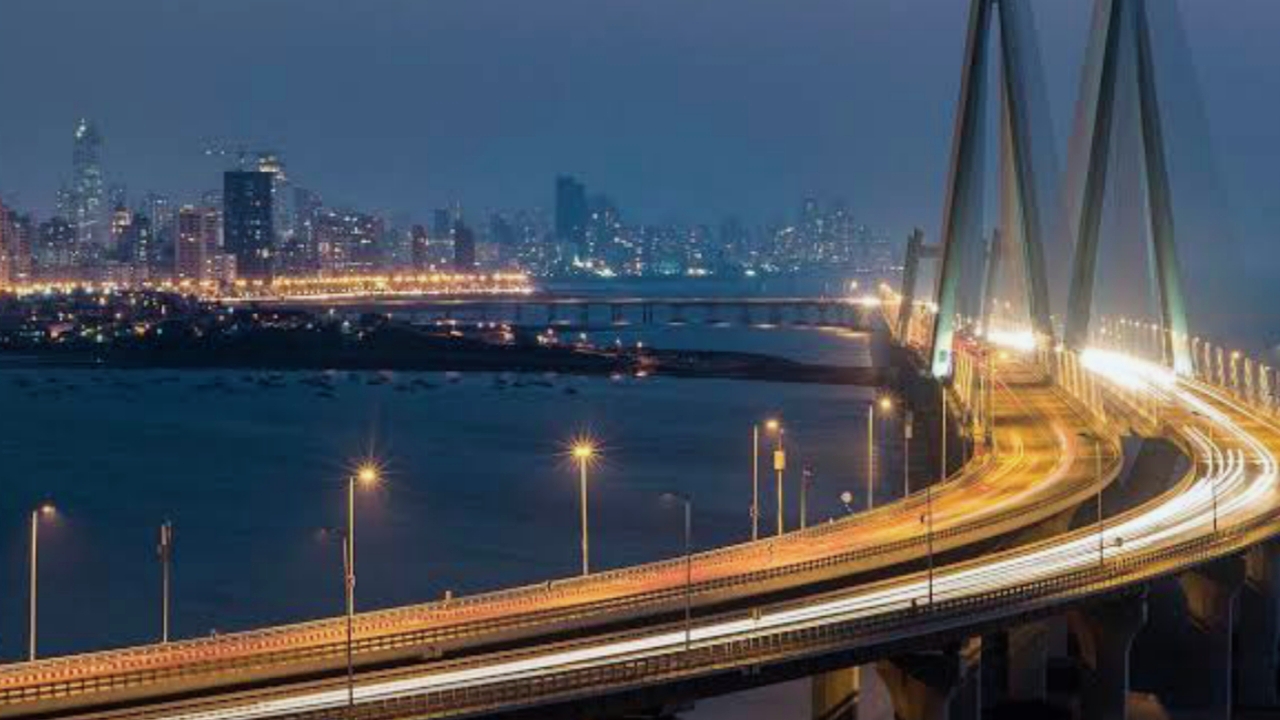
(1015, 665)
(615, 313)
(836, 694)
(1258, 652)
(1192, 619)
(944, 685)
(1105, 633)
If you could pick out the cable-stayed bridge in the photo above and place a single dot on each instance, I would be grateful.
(960, 594)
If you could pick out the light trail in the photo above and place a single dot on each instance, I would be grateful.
(1233, 465)
(1038, 470)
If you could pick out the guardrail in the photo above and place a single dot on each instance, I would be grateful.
(325, 640)
(946, 615)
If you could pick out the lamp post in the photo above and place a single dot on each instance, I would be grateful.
(45, 510)
(886, 406)
(907, 429)
(1213, 479)
(1097, 469)
(165, 552)
(687, 501)
(806, 479)
(584, 452)
(366, 475)
(779, 467)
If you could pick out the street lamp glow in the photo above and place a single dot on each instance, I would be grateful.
(368, 474)
(886, 404)
(584, 451)
(772, 425)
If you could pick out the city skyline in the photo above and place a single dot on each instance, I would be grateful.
(624, 126)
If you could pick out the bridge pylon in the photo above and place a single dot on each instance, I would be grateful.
(1027, 164)
(1121, 33)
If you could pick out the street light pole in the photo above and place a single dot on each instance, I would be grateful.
(871, 456)
(349, 582)
(755, 481)
(31, 613)
(165, 551)
(1097, 470)
(44, 510)
(780, 466)
(582, 501)
(907, 422)
(687, 500)
(584, 451)
(366, 475)
(928, 499)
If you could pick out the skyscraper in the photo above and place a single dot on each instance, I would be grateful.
(190, 252)
(249, 222)
(572, 213)
(348, 243)
(85, 199)
(464, 248)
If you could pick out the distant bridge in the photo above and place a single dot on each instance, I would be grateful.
(609, 312)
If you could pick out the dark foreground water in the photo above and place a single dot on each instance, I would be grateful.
(478, 493)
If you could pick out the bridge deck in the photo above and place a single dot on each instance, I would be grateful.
(1037, 473)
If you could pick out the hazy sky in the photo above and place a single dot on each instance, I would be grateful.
(681, 109)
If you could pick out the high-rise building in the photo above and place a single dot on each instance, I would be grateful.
(139, 244)
(196, 252)
(464, 248)
(84, 201)
(56, 249)
(348, 243)
(420, 244)
(282, 197)
(572, 213)
(249, 222)
(441, 225)
(190, 248)
(121, 220)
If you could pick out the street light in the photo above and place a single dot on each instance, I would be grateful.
(908, 421)
(1097, 466)
(771, 425)
(44, 510)
(165, 552)
(367, 475)
(584, 452)
(779, 466)
(687, 500)
(885, 404)
(806, 480)
(1213, 479)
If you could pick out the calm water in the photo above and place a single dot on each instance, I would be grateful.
(478, 494)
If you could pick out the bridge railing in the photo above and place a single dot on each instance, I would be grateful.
(876, 625)
(325, 640)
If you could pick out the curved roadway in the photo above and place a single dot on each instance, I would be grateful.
(1037, 473)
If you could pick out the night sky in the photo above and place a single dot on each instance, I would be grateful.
(684, 110)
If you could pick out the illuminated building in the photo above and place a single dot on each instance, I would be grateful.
(464, 248)
(249, 222)
(348, 243)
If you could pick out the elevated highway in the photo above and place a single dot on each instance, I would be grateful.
(1040, 469)
(1228, 501)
